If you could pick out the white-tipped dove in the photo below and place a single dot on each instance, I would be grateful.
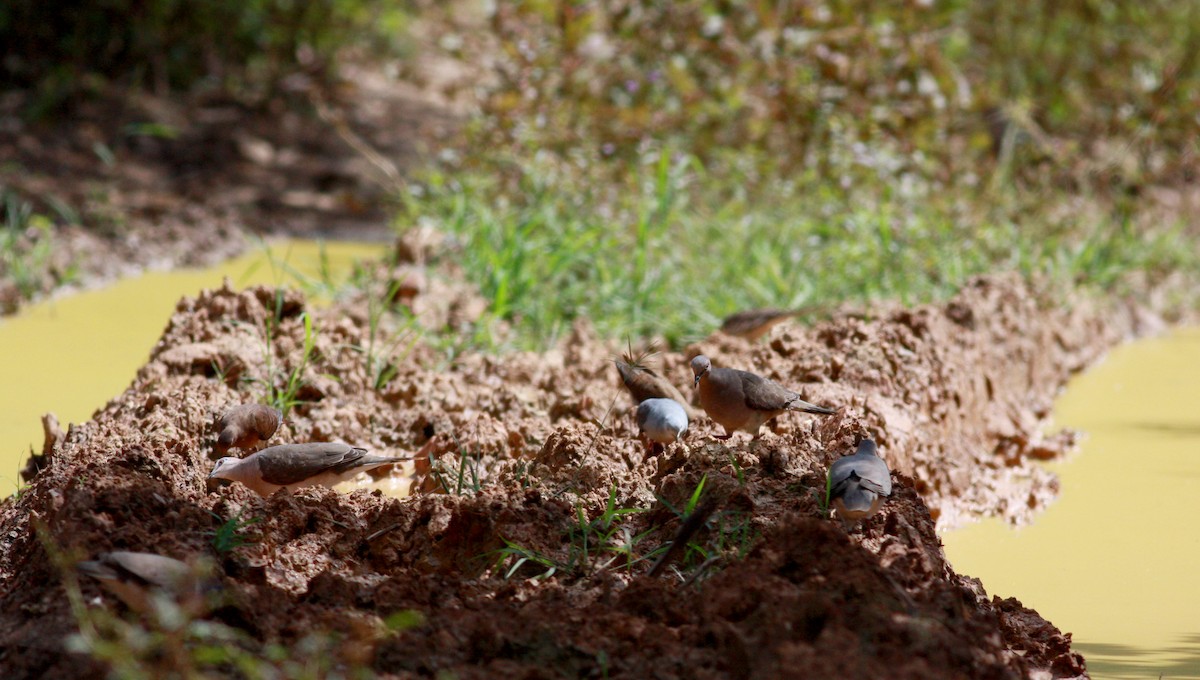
(858, 483)
(245, 425)
(741, 400)
(295, 466)
(661, 422)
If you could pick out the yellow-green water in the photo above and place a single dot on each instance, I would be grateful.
(1116, 559)
(71, 355)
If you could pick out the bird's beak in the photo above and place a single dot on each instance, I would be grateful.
(696, 382)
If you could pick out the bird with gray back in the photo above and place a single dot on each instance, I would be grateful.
(245, 425)
(295, 466)
(132, 576)
(858, 483)
(741, 400)
(752, 324)
(643, 383)
(661, 422)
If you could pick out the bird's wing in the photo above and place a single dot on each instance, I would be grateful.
(765, 395)
(294, 463)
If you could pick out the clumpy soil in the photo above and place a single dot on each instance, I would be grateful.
(515, 453)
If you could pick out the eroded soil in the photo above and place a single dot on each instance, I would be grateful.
(953, 394)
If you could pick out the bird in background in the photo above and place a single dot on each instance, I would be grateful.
(753, 324)
(295, 466)
(858, 484)
(135, 576)
(245, 425)
(741, 400)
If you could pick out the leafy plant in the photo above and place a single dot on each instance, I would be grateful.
(281, 386)
(228, 536)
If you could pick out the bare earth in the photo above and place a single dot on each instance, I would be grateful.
(953, 393)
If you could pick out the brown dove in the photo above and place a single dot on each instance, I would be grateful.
(740, 400)
(131, 575)
(752, 324)
(295, 466)
(245, 425)
(644, 384)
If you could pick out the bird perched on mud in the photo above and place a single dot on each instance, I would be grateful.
(661, 422)
(741, 400)
(858, 483)
(644, 384)
(295, 466)
(752, 324)
(245, 425)
(132, 576)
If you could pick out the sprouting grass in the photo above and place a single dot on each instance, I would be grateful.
(228, 536)
(282, 387)
(591, 545)
(458, 481)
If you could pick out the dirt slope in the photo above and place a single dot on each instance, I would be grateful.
(952, 393)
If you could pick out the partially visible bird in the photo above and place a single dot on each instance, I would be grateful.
(752, 324)
(643, 384)
(132, 576)
(858, 483)
(741, 400)
(661, 422)
(295, 466)
(245, 425)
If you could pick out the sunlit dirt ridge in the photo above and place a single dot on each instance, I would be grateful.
(951, 392)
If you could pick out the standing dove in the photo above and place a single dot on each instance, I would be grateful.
(295, 466)
(858, 483)
(740, 400)
(661, 422)
(132, 575)
(644, 384)
(245, 425)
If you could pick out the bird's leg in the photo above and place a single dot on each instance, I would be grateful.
(723, 437)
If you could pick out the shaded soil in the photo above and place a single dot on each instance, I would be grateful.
(136, 181)
(769, 586)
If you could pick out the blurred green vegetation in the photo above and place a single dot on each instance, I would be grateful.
(68, 46)
(27, 245)
(655, 166)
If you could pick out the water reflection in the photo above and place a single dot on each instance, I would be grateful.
(1120, 661)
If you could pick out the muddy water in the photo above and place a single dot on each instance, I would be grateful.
(71, 355)
(1116, 559)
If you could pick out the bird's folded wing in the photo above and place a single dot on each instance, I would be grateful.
(764, 395)
(304, 461)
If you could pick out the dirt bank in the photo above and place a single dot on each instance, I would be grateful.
(768, 585)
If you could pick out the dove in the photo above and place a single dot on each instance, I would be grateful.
(644, 384)
(858, 483)
(245, 425)
(741, 400)
(752, 324)
(661, 422)
(295, 466)
(132, 575)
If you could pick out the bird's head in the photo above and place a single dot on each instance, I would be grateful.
(223, 468)
(700, 366)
